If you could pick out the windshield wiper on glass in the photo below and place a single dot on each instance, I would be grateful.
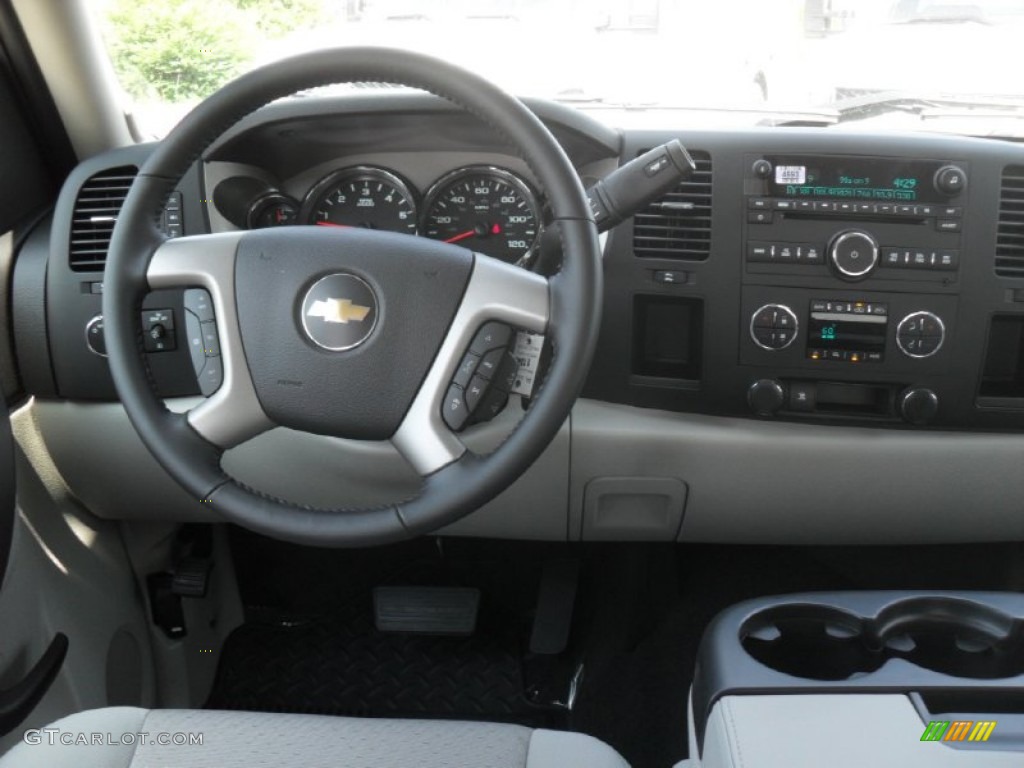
(870, 105)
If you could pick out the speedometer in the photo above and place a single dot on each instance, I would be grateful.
(362, 196)
(489, 210)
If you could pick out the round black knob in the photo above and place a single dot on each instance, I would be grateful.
(766, 397)
(854, 254)
(950, 180)
(95, 340)
(918, 405)
(762, 169)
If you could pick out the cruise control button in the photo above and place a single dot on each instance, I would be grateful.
(466, 369)
(211, 377)
(197, 301)
(211, 342)
(491, 336)
(453, 408)
(194, 336)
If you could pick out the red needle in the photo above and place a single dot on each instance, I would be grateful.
(461, 236)
(331, 224)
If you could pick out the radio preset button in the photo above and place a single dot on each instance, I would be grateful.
(854, 254)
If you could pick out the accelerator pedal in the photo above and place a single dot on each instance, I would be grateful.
(426, 610)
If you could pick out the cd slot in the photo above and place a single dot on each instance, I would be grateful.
(858, 217)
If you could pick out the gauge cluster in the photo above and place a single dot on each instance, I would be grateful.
(489, 209)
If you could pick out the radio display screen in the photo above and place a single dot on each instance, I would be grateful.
(855, 179)
(850, 331)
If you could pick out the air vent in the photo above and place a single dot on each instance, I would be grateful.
(1010, 235)
(678, 226)
(96, 209)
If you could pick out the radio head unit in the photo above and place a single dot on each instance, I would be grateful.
(862, 179)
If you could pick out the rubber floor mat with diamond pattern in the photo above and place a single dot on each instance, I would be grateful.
(329, 666)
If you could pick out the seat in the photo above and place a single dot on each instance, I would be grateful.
(128, 737)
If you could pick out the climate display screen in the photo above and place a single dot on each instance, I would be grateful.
(855, 179)
(853, 331)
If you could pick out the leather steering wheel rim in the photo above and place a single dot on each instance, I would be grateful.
(460, 485)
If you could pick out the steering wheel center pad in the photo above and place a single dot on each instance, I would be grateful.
(302, 293)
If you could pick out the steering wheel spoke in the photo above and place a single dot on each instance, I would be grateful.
(496, 292)
(232, 414)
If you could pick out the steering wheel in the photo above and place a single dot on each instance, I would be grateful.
(421, 302)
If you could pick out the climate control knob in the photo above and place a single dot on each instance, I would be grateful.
(918, 405)
(920, 334)
(766, 397)
(853, 254)
(773, 327)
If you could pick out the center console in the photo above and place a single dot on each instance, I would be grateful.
(856, 678)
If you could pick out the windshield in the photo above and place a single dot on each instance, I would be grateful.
(931, 64)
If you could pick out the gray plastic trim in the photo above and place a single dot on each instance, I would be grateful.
(496, 291)
(233, 413)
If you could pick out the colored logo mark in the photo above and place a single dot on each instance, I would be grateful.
(958, 730)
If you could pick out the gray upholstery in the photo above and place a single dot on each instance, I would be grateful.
(260, 740)
(833, 730)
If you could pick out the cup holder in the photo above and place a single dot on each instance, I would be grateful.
(948, 635)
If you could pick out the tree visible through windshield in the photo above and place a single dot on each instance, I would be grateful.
(735, 56)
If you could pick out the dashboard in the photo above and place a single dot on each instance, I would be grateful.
(809, 306)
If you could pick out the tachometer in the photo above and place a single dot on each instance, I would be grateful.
(362, 196)
(489, 210)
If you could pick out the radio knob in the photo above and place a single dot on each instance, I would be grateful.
(854, 254)
(918, 405)
(950, 180)
(766, 397)
(762, 169)
(920, 334)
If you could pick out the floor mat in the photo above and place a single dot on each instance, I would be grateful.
(310, 644)
(346, 667)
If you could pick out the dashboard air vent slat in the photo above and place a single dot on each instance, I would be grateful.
(1010, 233)
(678, 226)
(92, 221)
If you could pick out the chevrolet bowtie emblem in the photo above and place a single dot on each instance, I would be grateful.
(338, 311)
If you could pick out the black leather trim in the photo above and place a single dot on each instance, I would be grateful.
(459, 488)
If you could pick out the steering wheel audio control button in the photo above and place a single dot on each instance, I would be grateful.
(453, 409)
(475, 391)
(491, 335)
(466, 369)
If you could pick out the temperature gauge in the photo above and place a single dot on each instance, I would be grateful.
(272, 210)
